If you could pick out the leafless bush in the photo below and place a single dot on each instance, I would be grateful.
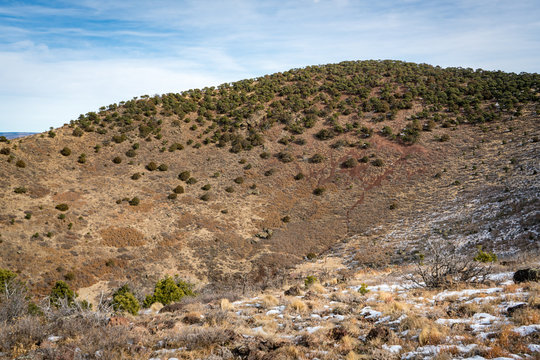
(21, 334)
(13, 302)
(199, 338)
(447, 265)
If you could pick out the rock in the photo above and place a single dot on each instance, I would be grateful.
(156, 307)
(118, 321)
(512, 309)
(526, 275)
(293, 291)
(171, 308)
(378, 332)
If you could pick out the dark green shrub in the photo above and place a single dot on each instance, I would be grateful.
(286, 219)
(285, 157)
(77, 132)
(316, 159)
(206, 187)
(62, 207)
(135, 146)
(270, 172)
(239, 180)
(318, 191)
(5, 151)
(386, 131)
(61, 291)
(172, 196)
(364, 159)
(324, 134)
(311, 256)
(444, 138)
(20, 164)
(123, 300)
(65, 151)
(28, 216)
(349, 163)
(117, 160)
(151, 166)
(119, 138)
(191, 181)
(82, 158)
(51, 134)
(377, 162)
(229, 189)
(61, 216)
(134, 201)
(20, 190)
(131, 153)
(136, 176)
(264, 155)
(69, 276)
(299, 176)
(184, 175)
(163, 167)
(179, 189)
(205, 197)
(363, 290)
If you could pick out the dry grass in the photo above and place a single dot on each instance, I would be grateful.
(226, 305)
(298, 306)
(431, 335)
(269, 301)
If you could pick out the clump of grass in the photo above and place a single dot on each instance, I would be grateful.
(184, 175)
(179, 189)
(319, 191)
(62, 207)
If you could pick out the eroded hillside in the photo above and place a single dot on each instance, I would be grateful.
(250, 177)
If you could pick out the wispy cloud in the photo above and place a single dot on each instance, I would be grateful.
(66, 57)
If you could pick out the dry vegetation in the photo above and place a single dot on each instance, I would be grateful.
(358, 164)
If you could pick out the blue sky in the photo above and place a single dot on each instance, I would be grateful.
(62, 58)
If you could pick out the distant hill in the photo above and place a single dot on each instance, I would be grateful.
(15, 135)
(233, 185)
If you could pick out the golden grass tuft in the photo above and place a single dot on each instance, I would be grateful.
(348, 343)
(226, 305)
(352, 356)
(298, 305)
(431, 335)
(269, 301)
(317, 288)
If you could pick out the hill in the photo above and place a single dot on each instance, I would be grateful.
(232, 186)
(14, 135)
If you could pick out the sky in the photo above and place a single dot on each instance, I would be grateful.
(61, 58)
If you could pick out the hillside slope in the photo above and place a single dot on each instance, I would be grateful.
(251, 177)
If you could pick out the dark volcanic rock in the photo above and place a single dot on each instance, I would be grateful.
(524, 275)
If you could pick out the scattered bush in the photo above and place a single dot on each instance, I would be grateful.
(319, 191)
(206, 187)
(136, 176)
(59, 292)
(364, 159)
(205, 197)
(310, 280)
(62, 207)
(191, 181)
(123, 300)
(286, 219)
(77, 132)
(285, 157)
(119, 138)
(298, 176)
(20, 164)
(5, 151)
(163, 167)
(239, 180)
(229, 189)
(184, 175)
(270, 172)
(151, 166)
(179, 189)
(485, 257)
(82, 158)
(363, 290)
(324, 134)
(172, 196)
(377, 163)
(134, 201)
(264, 155)
(349, 163)
(131, 153)
(6, 277)
(65, 151)
(20, 190)
(168, 290)
(117, 160)
(316, 159)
